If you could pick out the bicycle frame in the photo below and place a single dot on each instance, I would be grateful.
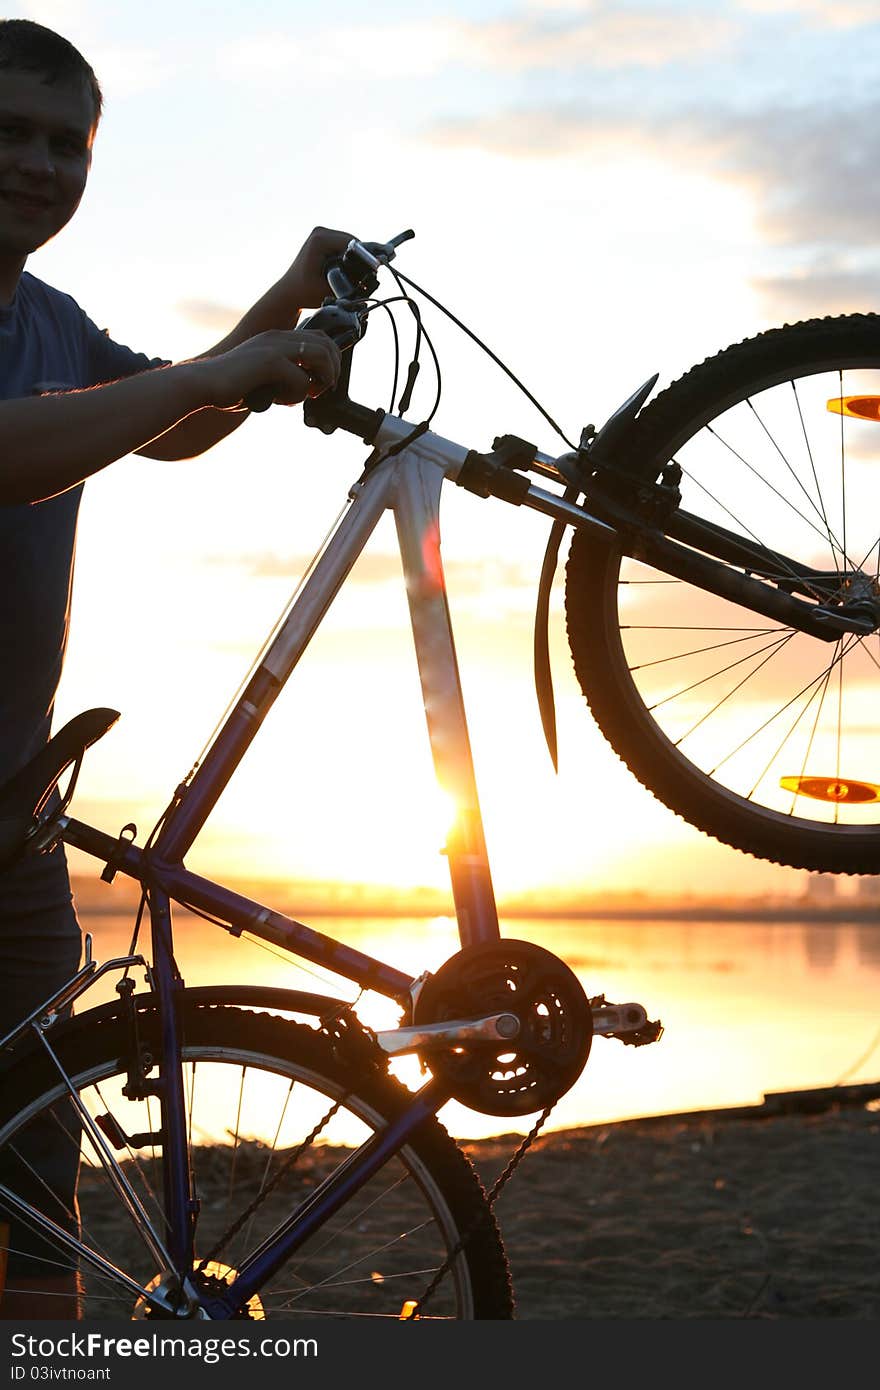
(409, 484)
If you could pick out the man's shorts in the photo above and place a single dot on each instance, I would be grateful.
(39, 951)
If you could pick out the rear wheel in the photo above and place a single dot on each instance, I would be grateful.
(272, 1111)
(760, 735)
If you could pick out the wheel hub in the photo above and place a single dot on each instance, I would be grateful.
(211, 1278)
(861, 595)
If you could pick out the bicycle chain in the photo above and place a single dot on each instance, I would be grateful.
(491, 1198)
(264, 1192)
(343, 1033)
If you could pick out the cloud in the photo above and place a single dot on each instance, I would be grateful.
(466, 578)
(370, 569)
(817, 289)
(826, 14)
(555, 37)
(811, 169)
(609, 37)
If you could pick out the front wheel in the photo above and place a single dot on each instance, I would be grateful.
(757, 733)
(272, 1110)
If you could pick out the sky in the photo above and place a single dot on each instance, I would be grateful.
(602, 191)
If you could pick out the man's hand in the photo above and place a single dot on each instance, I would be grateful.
(305, 281)
(295, 364)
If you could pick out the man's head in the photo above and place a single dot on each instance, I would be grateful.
(50, 105)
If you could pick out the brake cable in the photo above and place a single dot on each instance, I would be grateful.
(398, 275)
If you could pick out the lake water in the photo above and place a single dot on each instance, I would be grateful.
(748, 1007)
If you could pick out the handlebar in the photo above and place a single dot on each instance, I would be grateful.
(352, 278)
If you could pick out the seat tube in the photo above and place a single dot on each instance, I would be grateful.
(417, 514)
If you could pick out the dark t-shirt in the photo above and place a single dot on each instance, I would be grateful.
(47, 343)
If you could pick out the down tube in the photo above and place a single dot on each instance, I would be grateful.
(416, 508)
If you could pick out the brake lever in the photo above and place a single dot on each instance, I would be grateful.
(344, 326)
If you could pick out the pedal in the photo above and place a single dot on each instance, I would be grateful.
(627, 1022)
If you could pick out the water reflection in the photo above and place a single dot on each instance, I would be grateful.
(748, 1007)
(868, 944)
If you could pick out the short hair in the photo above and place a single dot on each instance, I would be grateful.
(29, 47)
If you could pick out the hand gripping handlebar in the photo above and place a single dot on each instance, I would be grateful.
(352, 279)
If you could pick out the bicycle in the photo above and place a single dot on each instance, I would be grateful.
(355, 1199)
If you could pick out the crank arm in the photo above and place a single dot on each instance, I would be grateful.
(498, 1028)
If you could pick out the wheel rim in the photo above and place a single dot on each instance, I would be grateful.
(379, 1252)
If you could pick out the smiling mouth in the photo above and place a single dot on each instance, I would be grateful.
(25, 202)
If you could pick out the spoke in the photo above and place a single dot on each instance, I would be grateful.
(287, 1166)
(44, 1226)
(51, 1264)
(786, 736)
(815, 681)
(819, 511)
(56, 1264)
(312, 1255)
(352, 1283)
(867, 650)
(864, 560)
(75, 1218)
(272, 1151)
(834, 555)
(235, 1137)
(367, 1255)
(787, 634)
(334, 1313)
(113, 1170)
(739, 685)
(839, 727)
(699, 651)
(189, 1123)
(64, 1212)
(809, 748)
(842, 467)
(785, 500)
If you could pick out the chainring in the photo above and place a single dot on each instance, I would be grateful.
(556, 1027)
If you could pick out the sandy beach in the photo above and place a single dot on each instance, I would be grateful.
(709, 1216)
(704, 1217)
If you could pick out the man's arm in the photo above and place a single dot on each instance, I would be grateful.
(50, 443)
(302, 286)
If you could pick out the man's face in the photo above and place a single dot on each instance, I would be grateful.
(46, 136)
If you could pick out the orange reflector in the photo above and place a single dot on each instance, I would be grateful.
(406, 1312)
(862, 407)
(828, 789)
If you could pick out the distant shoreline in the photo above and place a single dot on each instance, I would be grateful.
(91, 900)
